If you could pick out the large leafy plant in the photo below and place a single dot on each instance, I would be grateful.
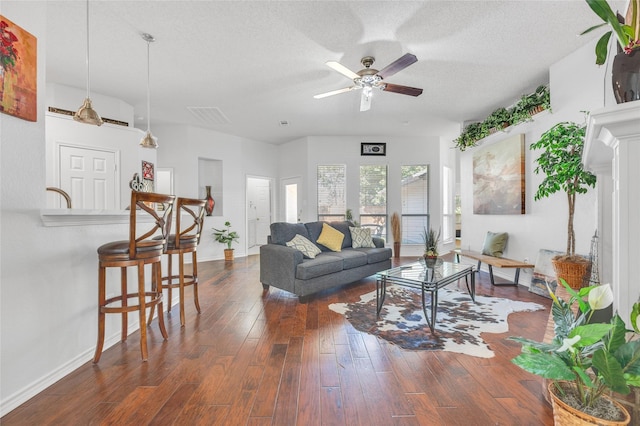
(595, 357)
(561, 162)
(627, 35)
(226, 235)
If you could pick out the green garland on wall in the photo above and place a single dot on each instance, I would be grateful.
(501, 118)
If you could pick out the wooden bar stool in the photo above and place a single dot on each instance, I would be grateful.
(185, 240)
(139, 250)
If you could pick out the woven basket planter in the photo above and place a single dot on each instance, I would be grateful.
(572, 272)
(565, 415)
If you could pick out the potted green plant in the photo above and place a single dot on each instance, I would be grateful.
(627, 35)
(226, 236)
(561, 162)
(498, 120)
(585, 360)
(626, 63)
(431, 239)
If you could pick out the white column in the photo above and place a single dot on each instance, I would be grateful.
(612, 151)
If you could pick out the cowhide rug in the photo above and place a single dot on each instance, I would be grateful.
(459, 321)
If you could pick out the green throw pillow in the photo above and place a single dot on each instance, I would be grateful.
(307, 248)
(494, 243)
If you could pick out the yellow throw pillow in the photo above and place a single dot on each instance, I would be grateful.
(331, 238)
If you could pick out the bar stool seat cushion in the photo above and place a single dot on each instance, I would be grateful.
(186, 242)
(122, 247)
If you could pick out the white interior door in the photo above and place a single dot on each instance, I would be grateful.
(258, 210)
(292, 198)
(88, 175)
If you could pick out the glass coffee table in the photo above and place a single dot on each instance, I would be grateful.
(418, 275)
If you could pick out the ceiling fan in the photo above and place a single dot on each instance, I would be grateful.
(369, 78)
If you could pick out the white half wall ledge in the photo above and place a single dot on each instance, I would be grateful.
(80, 217)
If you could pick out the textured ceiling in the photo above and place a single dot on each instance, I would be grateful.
(245, 66)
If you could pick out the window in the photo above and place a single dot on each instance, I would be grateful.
(332, 187)
(414, 195)
(448, 211)
(373, 199)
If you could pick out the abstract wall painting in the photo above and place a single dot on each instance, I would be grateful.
(498, 178)
(18, 71)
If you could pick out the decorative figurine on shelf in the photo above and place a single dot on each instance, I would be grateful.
(136, 184)
(208, 207)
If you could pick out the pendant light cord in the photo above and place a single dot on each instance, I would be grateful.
(88, 79)
(148, 88)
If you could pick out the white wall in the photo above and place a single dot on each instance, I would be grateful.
(181, 146)
(125, 141)
(71, 98)
(576, 85)
(400, 152)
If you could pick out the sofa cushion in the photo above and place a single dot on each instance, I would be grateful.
(302, 244)
(331, 238)
(361, 237)
(350, 258)
(344, 228)
(375, 255)
(281, 232)
(323, 264)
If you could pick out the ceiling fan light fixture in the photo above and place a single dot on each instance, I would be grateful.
(86, 114)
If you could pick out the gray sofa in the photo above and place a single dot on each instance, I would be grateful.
(286, 268)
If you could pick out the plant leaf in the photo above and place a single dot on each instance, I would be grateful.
(628, 355)
(611, 371)
(544, 365)
(602, 48)
(590, 333)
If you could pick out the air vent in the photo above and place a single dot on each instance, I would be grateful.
(209, 115)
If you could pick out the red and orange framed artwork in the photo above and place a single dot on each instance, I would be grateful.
(18, 71)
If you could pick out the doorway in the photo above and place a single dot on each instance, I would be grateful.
(259, 213)
(292, 199)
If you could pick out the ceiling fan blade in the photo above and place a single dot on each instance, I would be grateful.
(365, 101)
(342, 70)
(403, 90)
(335, 92)
(397, 65)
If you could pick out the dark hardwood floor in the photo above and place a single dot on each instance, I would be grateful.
(254, 358)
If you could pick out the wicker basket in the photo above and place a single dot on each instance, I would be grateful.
(565, 415)
(572, 272)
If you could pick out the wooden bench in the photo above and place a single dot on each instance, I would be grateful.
(491, 261)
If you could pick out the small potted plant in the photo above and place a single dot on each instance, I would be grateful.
(561, 162)
(585, 360)
(431, 239)
(226, 236)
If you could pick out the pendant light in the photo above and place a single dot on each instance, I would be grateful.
(149, 141)
(86, 114)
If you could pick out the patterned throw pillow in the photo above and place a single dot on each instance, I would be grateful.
(331, 238)
(361, 237)
(307, 248)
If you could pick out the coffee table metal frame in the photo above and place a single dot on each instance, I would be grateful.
(418, 275)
